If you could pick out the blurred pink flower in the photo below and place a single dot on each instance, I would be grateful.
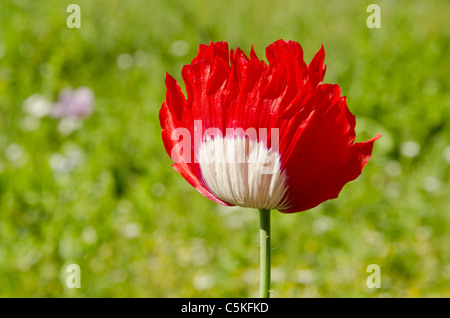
(78, 103)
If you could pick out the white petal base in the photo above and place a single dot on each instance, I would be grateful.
(243, 172)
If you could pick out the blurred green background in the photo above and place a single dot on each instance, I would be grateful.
(101, 193)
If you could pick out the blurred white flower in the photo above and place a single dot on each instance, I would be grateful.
(410, 149)
(446, 154)
(15, 154)
(78, 103)
(201, 254)
(59, 163)
(30, 123)
(431, 183)
(140, 58)
(37, 106)
(423, 233)
(322, 224)
(304, 276)
(203, 282)
(67, 125)
(179, 48)
(446, 272)
(89, 235)
(393, 168)
(131, 230)
(277, 274)
(125, 61)
(71, 158)
(74, 154)
(250, 276)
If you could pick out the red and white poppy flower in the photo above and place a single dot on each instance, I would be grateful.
(261, 136)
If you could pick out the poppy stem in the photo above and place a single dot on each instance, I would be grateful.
(264, 237)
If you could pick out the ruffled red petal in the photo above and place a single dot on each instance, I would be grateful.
(173, 115)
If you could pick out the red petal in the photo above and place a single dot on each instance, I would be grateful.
(173, 115)
(316, 68)
(322, 157)
(316, 129)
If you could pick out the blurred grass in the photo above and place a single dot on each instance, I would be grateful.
(137, 229)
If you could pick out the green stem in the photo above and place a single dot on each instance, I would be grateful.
(264, 237)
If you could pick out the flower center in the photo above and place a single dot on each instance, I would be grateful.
(243, 172)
